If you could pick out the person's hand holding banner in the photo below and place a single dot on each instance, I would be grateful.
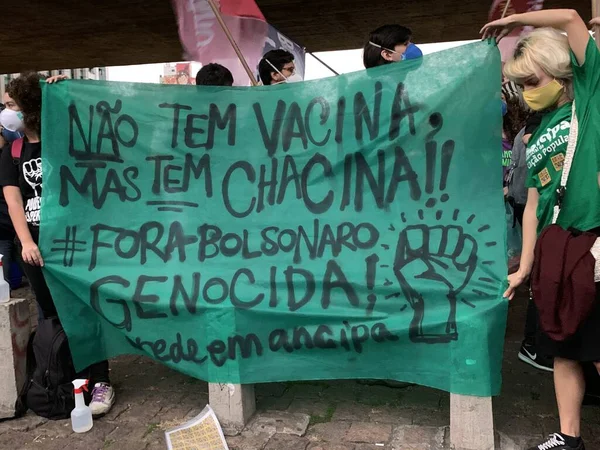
(31, 254)
(502, 9)
(498, 29)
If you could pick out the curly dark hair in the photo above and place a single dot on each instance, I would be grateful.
(26, 91)
(515, 118)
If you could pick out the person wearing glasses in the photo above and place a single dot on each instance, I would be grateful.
(276, 67)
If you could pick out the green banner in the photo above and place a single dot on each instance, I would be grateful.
(350, 227)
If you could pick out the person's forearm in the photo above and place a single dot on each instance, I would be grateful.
(17, 216)
(530, 224)
(555, 18)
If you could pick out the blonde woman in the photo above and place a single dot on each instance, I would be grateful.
(554, 69)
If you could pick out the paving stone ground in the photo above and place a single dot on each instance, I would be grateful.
(323, 415)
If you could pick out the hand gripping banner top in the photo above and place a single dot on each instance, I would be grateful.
(350, 227)
(505, 8)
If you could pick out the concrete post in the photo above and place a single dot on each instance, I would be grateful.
(471, 423)
(15, 328)
(234, 405)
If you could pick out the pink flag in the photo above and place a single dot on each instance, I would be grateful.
(204, 41)
(508, 44)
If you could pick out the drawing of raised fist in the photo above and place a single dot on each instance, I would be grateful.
(32, 170)
(439, 260)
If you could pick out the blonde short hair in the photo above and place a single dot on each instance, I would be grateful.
(544, 48)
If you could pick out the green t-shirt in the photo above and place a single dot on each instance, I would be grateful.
(548, 145)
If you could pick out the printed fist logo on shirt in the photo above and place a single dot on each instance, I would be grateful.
(32, 171)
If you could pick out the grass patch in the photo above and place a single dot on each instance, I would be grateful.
(108, 443)
(151, 428)
(325, 418)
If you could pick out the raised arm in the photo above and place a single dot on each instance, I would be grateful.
(567, 20)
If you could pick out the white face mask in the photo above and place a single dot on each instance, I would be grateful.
(12, 120)
(296, 78)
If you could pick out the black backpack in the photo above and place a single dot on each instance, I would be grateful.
(48, 389)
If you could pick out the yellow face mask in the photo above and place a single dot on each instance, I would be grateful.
(544, 97)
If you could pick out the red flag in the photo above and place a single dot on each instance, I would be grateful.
(508, 44)
(241, 8)
(203, 39)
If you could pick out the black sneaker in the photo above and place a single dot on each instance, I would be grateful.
(529, 355)
(556, 442)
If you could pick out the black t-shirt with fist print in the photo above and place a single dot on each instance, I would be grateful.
(26, 175)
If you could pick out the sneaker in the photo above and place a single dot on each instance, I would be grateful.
(529, 355)
(556, 442)
(103, 397)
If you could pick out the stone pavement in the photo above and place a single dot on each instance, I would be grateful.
(320, 415)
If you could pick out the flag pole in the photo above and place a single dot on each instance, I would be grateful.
(236, 48)
(596, 13)
(322, 62)
(506, 8)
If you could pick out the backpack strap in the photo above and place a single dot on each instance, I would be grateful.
(21, 403)
(16, 148)
(570, 153)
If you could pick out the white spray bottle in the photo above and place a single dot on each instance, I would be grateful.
(4, 286)
(81, 416)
